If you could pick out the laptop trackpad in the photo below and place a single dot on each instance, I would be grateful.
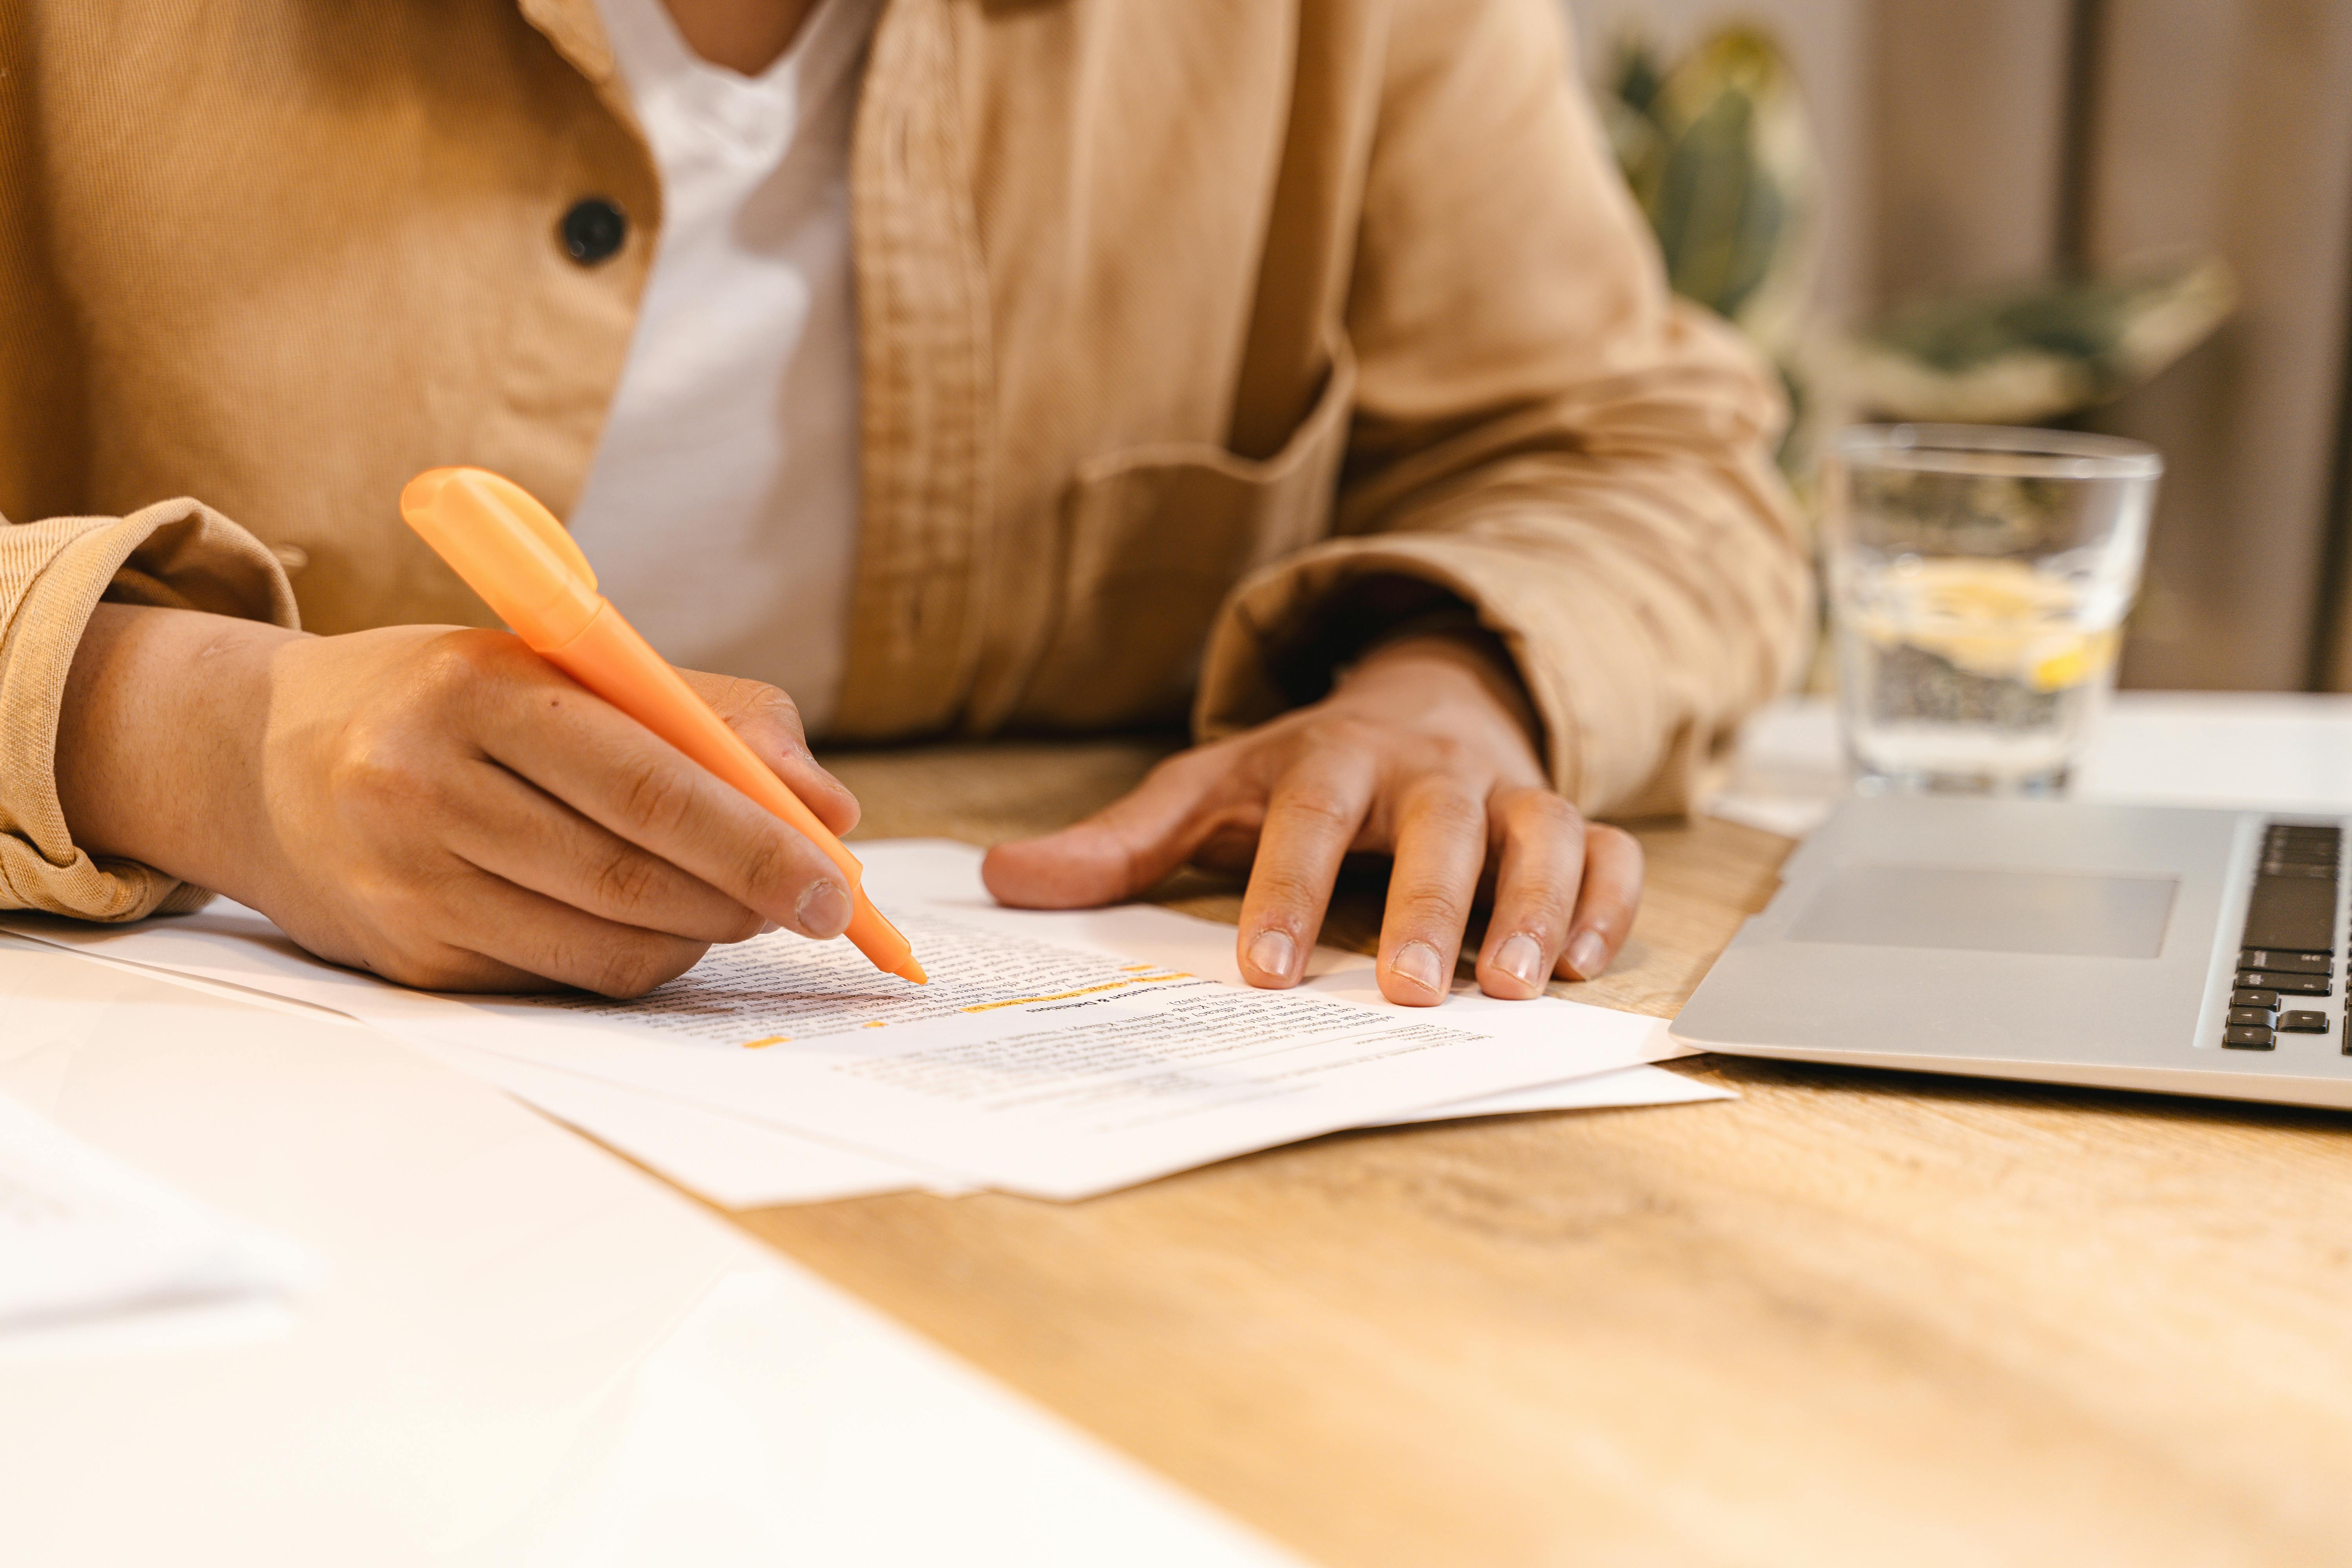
(2080, 914)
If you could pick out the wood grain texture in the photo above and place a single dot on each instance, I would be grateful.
(1850, 1319)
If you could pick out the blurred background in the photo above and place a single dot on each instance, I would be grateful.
(2123, 216)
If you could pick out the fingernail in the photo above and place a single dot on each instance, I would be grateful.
(823, 909)
(1588, 954)
(1522, 959)
(1272, 953)
(767, 926)
(1417, 962)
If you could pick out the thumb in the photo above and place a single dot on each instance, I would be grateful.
(1115, 853)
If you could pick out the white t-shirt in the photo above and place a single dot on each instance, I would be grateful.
(721, 511)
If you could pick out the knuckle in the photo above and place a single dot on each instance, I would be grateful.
(1431, 906)
(1441, 804)
(1444, 753)
(1342, 731)
(1315, 805)
(756, 705)
(1542, 901)
(453, 666)
(1622, 915)
(656, 797)
(625, 974)
(628, 879)
(624, 967)
(376, 771)
(773, 870)
(1540, 808)
(1619, 846)
(771, 702)
(1284, 888)
(430, 966)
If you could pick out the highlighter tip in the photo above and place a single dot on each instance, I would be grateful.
(879, 940)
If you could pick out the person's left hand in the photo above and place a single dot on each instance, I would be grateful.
(1422, 751)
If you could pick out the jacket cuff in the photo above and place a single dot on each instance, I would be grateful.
(176, 554)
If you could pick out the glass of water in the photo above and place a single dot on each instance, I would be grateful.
(1979, 578)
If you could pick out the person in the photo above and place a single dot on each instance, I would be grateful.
(956, 367)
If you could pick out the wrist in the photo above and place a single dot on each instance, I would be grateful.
(1471, 659)
(160, 736)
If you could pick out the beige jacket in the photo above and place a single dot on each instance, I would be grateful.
(1179, 319)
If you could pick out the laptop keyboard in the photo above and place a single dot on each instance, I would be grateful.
(2287, 954)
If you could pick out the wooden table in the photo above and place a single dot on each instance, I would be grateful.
(1851, 1318)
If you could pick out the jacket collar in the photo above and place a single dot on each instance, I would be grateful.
(577, 32)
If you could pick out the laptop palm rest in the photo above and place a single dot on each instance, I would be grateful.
(2066, 941)
(2082, 914)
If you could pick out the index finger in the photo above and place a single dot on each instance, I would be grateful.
(1314, 814)
(624, 777)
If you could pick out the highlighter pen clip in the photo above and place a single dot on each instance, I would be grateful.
(512, 551)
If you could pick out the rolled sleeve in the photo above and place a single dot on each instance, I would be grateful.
(1541, 432)
(176, 554)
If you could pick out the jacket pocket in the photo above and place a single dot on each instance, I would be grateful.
(1153, 540)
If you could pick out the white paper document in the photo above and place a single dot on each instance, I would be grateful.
(82, 1235)
(738, 1164)
(1623, 1087)
(735, 1164)
(1054, 1054)
(734, 1161)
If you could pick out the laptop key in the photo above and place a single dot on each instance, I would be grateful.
(2252, 1017)
(2291, 914)
(2303, 1023)
(2293, 962)
(2291, 985)
(2248, 1039)
(2266, 1000)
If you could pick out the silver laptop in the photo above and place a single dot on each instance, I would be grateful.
(2132, 947)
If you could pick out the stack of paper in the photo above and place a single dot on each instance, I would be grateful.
(82, 1236)
(1058, 1055)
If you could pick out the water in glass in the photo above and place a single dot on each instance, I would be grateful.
(1978, 584)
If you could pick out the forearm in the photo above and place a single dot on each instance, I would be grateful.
(1648, 599)
(158, 745)
(1563, 446)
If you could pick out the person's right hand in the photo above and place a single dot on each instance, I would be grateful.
(436, 805)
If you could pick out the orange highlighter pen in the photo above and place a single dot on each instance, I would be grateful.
(513, 553)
